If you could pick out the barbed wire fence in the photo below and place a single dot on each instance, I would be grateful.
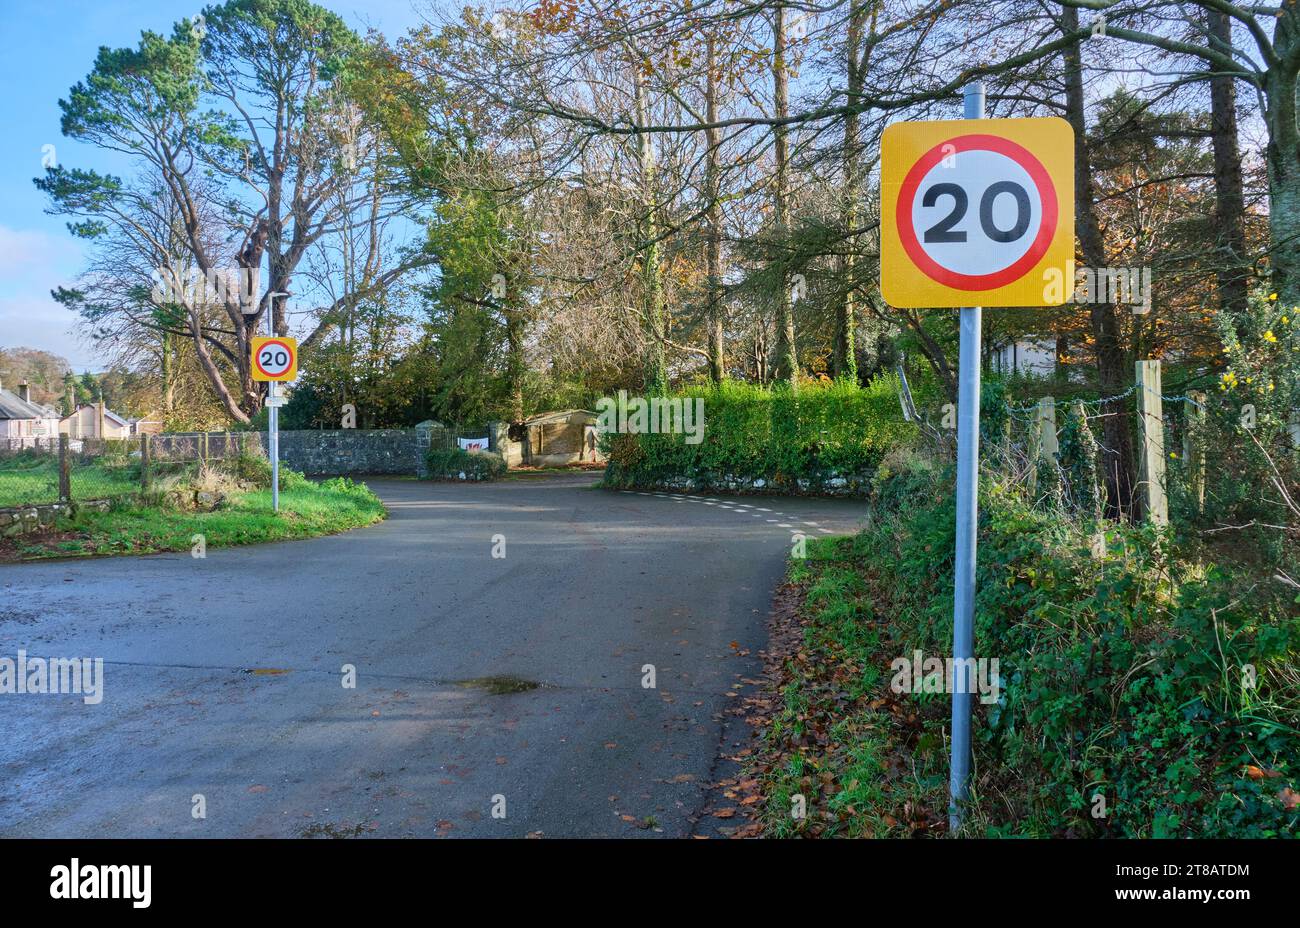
(1054, 451)
(1203, 435)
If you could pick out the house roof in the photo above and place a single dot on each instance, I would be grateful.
(545, 417)
(12, 406)
(108, 414)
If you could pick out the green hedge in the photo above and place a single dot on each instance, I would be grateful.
(796, 441)
(456, 464)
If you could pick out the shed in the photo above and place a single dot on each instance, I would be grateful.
(555, 439)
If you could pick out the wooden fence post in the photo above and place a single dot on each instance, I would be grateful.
(144, 462)
(1193, 456)
(1032, 448)
(1042, 438)
(1151, 443)
(1049, 444)
(65, 469)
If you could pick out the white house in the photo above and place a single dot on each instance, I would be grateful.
(95, 421)
(23, 421)
(1032, 356)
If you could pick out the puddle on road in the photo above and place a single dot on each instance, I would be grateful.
(499, 686)
(330, 830)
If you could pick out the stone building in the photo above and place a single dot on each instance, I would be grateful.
(556, 439)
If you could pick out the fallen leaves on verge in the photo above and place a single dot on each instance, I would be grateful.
(829, 681)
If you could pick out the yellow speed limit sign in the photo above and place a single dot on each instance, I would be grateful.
(977, 212)
(275, 358)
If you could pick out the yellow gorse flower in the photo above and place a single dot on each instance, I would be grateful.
(1269, 336)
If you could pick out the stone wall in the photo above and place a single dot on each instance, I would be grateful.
(327, 452)
(320, 452)
(349, 451)
(857, 486)
(23, 519)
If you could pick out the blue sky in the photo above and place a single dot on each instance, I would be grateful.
(48, 47)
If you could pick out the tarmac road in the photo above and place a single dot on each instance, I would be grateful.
(510, 684)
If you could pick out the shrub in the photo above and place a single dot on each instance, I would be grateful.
(792, 440)
(1246, 449)
(456, 464)
(1164, 685)
(254, 470)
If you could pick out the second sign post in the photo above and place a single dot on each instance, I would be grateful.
(275, 360)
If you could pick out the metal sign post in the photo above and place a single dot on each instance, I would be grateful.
(275, 450)
(273, 424)
(968, 455)
(275, 359)
(974, 211)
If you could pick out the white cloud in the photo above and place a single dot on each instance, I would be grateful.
(24, 251)
(32, 263)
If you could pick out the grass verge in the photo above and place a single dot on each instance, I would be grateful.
(840, 754)
(306, 510)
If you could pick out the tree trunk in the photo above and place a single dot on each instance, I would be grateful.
(655, 375)
(1231, 271)
(1283, 182)
(713, 248)
(1117, 454)
(168, 375)
(786, 363)
(515, 365)
(844, 360)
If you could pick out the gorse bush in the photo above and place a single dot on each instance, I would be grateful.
(1245, 460)
(793, 440)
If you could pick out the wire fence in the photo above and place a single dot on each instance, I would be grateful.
(51, 470)
(1211, 459)
(1215, 459)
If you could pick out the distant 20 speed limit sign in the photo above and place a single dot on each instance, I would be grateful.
(275, 358)
(976, 212)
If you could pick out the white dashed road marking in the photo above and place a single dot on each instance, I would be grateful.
(733, 506)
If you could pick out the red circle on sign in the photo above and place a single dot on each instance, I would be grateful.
(1017, 269)
(257, 358)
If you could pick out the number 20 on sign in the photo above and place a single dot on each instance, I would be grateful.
(977, 212)
(275, 358)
